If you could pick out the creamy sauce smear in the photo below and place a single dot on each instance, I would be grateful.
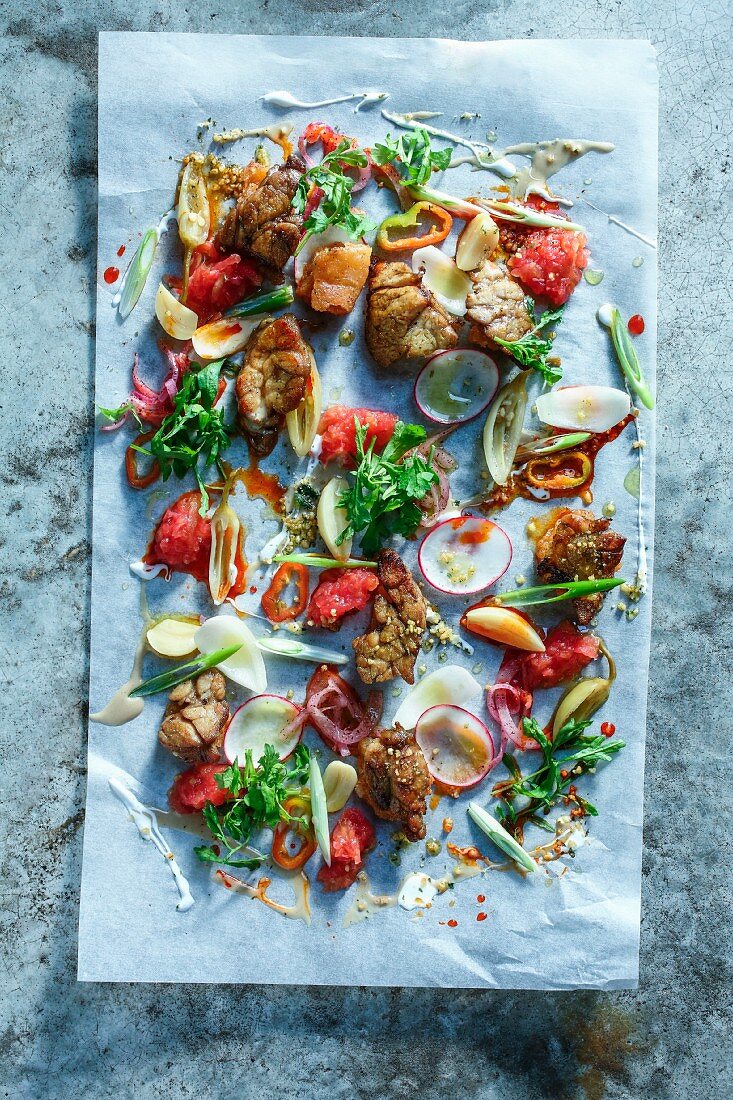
(121, 708)
(628, 228)
(288, 102)
(298, 883)
(276, 133)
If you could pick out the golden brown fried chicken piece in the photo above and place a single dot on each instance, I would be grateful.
(579, 547)
(496, 306)
(403, 319)
(264, 224)
(334, 277)
(195, 719)
(392, 643)
(273, 380)
(393, 779)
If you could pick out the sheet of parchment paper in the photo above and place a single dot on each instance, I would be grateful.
(554, 931)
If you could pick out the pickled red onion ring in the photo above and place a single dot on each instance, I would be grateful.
(507, 705)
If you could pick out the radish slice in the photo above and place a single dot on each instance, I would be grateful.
(333, 234)
(449, 684)
(464, 555)
(246, 667)
(454, 386)
(224, 337)
(590, 408)
(446, 282)
(262, 720)
(457, 746)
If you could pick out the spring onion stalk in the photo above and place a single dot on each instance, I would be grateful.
(513, 212)
(263, 303)
(315, 561)
(319, 809)
(167, 680)
(629, 360)
(555, 593)
(500, 837)
(550, 445)
(460, 207)
(137, 273)
(301, 651)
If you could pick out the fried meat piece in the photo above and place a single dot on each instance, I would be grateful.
(391, 645)
(496, 306)
(195, 719)
(579, 547)
(403, 319)
(334, 277)
(272, 380)
(264, 224)
(393, 779)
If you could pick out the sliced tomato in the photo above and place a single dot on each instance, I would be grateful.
(567, 652)
(182, 539)
(338, 431)
(352, 837)
(192, 789)
(275, 605)
(329, 138)
(217, 284)
(549, 262)
(339, 593)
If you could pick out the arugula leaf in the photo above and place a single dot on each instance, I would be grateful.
(334, 207)
(413, 156)
(259, 793)
(532, 350)
(194, 434)
(383, 499)
(119, 412)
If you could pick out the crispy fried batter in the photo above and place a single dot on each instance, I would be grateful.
(577, 547)
(195, 719)
(496, 306)
(264, 224)
(391, 645)
(393, 779)
(334, 277)
(403, 319)
(273, 379)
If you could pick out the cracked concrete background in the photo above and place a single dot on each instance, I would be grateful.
(672, 1038)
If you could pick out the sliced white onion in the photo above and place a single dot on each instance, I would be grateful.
(224, 337)
(456, 745)
(177, 320)
(454, 386)
(448, 684)
(302, 423)
(173, 637)
(262, 720)
(246, 667)
(445, 281)
(464, 555)
(332, 520)
(477, 242)
(588, 408)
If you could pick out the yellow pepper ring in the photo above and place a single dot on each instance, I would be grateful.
(569, 470)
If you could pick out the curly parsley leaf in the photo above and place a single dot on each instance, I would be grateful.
(334, 205)
(413, 156)
(533, 350)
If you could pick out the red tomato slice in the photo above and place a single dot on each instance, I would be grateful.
(352, 837)
(192, 789)
(338, 432)
(217, 285)
(182, 539)
(567, 652)
(338, 593)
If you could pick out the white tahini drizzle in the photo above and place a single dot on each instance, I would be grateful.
(288, 102)
(622, 225)
(143, 817)
(145, 572)
(121, 708)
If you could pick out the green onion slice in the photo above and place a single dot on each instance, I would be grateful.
(501, 838)
(555, 593)
(177, 675)
(137, 273)
(301, 651)
(629, 360)
(550, 445)
(317, 562)
(319, 809)
(263, 303)
(513, 212)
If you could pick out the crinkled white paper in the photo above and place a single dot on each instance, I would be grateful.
(579, 929)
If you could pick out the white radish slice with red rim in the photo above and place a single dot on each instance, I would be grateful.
(445, 281)
(454, 386)
(465, 554)
(263, 720)
(587, 408)
(456, 745)
(448, 684)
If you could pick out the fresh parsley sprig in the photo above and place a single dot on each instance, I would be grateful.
(532, 350)
(546, 786)
(259, 793)
(194, 435)
(334, 207)
(413, 156)
(383, 499)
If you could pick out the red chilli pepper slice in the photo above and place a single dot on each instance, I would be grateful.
(292, 861)
(136, 479)
(273, 603)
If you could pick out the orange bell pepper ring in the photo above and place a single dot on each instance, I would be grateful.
(441, 227)
(295, 807)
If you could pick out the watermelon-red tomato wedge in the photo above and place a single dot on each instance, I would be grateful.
(217, 284)
(548, 262)
(195, 787)
(339, 593)
(352, 837)
(338, 431)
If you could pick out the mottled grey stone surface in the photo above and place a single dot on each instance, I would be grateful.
(59, 1039)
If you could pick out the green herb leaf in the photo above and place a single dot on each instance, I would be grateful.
(117, 414)
(334, 206)
(413, 156)
(532, 350)
(555, 593)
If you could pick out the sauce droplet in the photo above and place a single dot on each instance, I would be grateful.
(636, 325)
(608, 729)
(111, 275)
(480, 898)
(593, 275)
(121, 250)
(481, 916)
(452, 923)
(637, 261)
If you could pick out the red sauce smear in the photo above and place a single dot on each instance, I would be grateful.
(481, 916)
(264, 486)
(452, 923)
(111, 275)
(474, 536)
(636, 325)
(121, 250)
